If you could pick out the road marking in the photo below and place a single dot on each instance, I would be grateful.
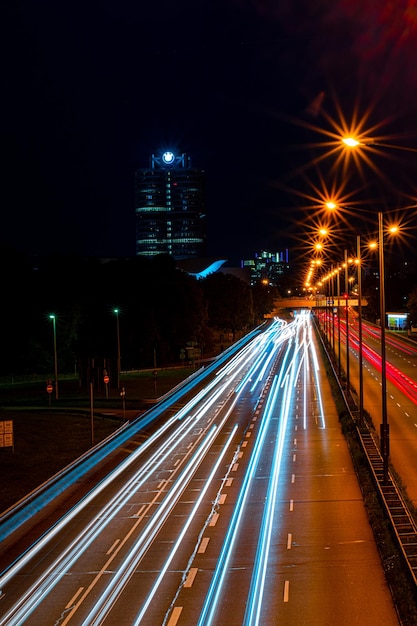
(203, 545)
(222, 498)
(294, 456)
(289, 541)
(248, 434)
(240, 454)
(293, 478)
(291, 505)
(110, 550)
(229, 482)
(286, 590)
(176, 462)
(191, 575)
(74, 597)
(214, 519)
(173, 620)
(235, 466)
(295, 441)
(140, 511)
(296, 427)
(244, 444)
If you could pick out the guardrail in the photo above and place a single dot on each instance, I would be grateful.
(13, 519)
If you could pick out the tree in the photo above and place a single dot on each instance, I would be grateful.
(412, 307)
(229, 302)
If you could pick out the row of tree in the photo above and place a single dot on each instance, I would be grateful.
(161, 310)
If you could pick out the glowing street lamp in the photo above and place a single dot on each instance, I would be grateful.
(52, 317)
(352, 142)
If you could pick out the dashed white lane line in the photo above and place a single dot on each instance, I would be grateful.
(203, 545)
(191, 576)
(286, 590)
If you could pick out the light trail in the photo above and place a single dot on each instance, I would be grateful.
(212, 600)
(190, 518)
(254, 362)
(254, 601)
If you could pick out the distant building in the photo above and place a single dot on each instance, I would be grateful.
(170, 208)
(267, 266)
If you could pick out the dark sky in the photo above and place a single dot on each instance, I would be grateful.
(91, 89)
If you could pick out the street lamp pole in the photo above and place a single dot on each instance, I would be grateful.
(384, 424)
(52, 317)
(339, 369)
(347, 324)
(116, 311)
(359, 258)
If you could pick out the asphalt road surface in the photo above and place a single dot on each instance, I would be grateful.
(242, 507)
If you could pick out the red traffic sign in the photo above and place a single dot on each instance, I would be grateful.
(49, 388)
(106, 379)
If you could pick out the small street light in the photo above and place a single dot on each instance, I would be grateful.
(52, 317)
(116, 312)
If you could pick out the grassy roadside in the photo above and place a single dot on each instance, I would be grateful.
(48, 438)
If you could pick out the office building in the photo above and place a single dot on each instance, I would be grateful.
(170, 208)
(267, 266)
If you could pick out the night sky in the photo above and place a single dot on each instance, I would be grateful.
(91, 89)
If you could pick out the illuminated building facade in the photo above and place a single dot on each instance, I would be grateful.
(267, 266)
(170, 208)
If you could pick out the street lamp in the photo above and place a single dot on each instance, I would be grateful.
(346, 266)
(352, 142)
(384, 424)
(116, 312)
(359, 264)
(52, 317)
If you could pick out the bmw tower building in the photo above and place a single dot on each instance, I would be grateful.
(170, 208)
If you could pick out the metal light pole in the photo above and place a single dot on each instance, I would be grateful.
(347, 323)
(384, 424)
(338, 324)
(358, 254)
(52, 317)
(116, 311)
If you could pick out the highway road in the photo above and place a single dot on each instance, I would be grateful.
(401, 358)
(240, 506)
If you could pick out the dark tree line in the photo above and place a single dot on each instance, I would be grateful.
(162, 310)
